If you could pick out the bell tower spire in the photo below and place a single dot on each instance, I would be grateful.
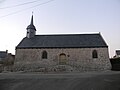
(32, 19)
(31, 30)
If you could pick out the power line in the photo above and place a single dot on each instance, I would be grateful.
(17, 5)
(27, 8)
(42, 3)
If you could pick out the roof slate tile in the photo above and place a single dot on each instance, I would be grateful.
(63, 41)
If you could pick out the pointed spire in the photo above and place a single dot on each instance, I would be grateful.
(31, 26)
(31, 20)
(31, 30)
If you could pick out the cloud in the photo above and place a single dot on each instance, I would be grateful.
(2, 1)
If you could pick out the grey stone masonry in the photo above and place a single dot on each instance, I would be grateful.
(73, 59)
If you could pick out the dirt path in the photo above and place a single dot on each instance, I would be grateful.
(74, 81)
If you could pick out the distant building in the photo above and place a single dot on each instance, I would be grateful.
(6, 61)
(3, 55)
(115, 61)
(63, 52)
(117, 53)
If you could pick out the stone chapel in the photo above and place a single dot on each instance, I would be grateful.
(61, 52)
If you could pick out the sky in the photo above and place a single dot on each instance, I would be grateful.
(59, 17)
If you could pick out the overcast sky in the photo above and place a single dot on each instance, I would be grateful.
(59, 16)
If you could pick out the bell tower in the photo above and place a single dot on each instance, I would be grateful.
(31, 30)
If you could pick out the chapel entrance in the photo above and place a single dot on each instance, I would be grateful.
(62, 58)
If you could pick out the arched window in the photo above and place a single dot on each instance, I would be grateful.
(62, 58)
(94, 54)
(44, 55)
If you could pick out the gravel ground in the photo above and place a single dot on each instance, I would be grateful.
(109, 80)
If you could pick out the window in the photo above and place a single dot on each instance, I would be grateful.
(94, 54)
(44, 55)
(62, 58)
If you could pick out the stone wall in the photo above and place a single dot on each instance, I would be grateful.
(7, 63)
(78, 59)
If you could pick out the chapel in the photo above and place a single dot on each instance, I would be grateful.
(61, 52)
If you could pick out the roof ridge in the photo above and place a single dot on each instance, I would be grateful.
(67, 34)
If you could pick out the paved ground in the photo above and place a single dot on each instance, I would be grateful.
(109, 80)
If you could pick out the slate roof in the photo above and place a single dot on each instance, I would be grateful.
(3, 54)
(63, 41)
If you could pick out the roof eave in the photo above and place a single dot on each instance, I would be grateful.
(59, 47)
